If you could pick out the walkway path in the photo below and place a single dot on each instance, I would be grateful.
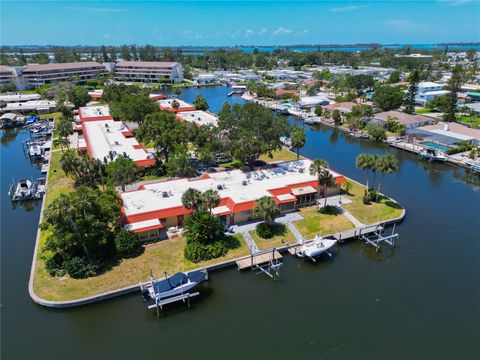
(352, 218)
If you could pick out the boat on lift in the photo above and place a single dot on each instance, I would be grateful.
(431, 154)
(26, 189)
(314, 248)
(177, 284)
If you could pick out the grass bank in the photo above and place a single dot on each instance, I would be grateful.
(280, 155)
(316, 223)
(385, 209)
(282, 236)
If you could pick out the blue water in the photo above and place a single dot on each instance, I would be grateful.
(250, 49)
(421, 301)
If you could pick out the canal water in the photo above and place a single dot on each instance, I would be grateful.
(421, 301)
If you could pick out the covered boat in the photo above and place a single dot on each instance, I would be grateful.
(177, 284)
(316, 247)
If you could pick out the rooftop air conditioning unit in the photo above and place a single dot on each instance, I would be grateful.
(219, 187)
(165, 194)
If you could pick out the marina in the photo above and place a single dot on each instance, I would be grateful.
(225, 296)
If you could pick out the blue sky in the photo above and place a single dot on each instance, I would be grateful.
(217, 23)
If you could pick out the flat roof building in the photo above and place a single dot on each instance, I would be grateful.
(37, 106)
(108, 139)
(198, 117)
(166, 104)
(94, 113)
(289, 184)
(78, 72)
(149, 71)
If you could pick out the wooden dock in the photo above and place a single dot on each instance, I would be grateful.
(258, 259)
(357, 232)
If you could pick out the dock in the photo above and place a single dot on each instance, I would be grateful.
(258, 259)
(357, 232)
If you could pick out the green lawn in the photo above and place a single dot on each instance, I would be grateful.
(282, 236)
(316, 223)
(386, 209)
(280, 155)
(471, 120)
(157, 258)
(424, 111)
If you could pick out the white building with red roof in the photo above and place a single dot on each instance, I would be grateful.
(157, 206)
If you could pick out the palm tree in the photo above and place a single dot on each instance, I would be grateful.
(387, 165)
(364, 162)
(298, 139)
(325, 179)
(374, 164)
(266, 208)
(192, 199)
(211, 199)
(316, 169)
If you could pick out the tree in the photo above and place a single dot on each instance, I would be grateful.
(267, 209)
(386, 165)
(453, 86)
(179, 163)
(133, 108)
(3, 104)
(164, 130)
(414, 79)
(126, 243)
(394, 77)
(81, 224)
(103, 51)
(200, 103)
(83, 170)
(243, 131)
(122, 171)
(317, 168)
(376, 131)
(360, 82)
(125, 53)
(364, 162)
(318, 110)
(192, 199)
(337, 117)
(64, 130)
(211, 199)
(175, 104)
(79, 97)
(298, 139)
(325, 180)
(388, 98)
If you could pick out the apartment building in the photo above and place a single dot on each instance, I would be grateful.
(148, 71)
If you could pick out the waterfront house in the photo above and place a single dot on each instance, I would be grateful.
(153, 208)
(410, 121)
(428, 91)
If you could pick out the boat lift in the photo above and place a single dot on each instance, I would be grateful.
(159, 304)
(267, 262)
(376, 237)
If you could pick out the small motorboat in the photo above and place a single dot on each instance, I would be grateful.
(316, 247)
(35, 150)
(177, 284)
(22, 191)
(432, 155)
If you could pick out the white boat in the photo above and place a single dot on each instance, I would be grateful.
(35, 150)
(316, 247)
(177, 284)
(312, 120)
(22, 191)
(433, 155)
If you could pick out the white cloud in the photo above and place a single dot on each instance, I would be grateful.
(264, 30)
(456, 2)
(304, 31)
(397, 23)
(249, 32)
(281, 31)
(345, 8)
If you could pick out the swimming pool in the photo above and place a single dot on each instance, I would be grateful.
(436, 146)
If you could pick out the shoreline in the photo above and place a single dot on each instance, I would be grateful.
(136, 287)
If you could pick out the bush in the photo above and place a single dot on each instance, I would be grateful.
(78, 268)
(126, 243)
(366, 198)
(373, 195)
(264, 230)
(195, 251)
(53, 265)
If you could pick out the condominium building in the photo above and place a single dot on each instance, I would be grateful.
(149, 71)
(155, 207)
(79, 72)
